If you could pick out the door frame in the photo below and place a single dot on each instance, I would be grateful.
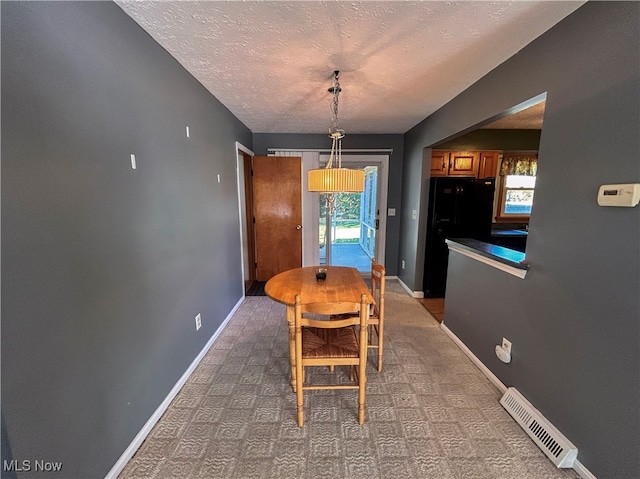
(381, 160)
(310, 209)
(246, 227)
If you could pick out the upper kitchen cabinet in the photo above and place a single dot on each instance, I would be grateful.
(454, 163)
(488, 164)
(478, 164)
(440, 163)
(464, 163)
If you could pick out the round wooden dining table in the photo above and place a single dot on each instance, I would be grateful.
(342, 284)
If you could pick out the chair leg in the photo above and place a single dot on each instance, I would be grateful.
(299, 396)
(300, 416)
(300, 402)
(362, 379)
(380, 340)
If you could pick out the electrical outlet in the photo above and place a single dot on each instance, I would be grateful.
(403, 264)
(198, 321)
(506, 345)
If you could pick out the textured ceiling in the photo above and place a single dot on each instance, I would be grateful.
(271, 63)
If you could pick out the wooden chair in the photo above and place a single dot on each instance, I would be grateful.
(331, 343)
(376, 318)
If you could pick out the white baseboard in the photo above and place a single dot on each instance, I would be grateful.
(414, 294)
(155, 417)
(486, 371)
(582, 471)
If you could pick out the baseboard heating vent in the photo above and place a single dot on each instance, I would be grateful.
(557, 447)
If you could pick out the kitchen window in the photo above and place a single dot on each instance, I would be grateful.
(516, 187)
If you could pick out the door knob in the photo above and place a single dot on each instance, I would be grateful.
(298, 227)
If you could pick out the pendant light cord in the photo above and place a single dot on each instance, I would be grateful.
(335, 133)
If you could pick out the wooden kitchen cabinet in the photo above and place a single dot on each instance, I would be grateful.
(464, 163)
(478, 164)
(488, 167)
(440, 163)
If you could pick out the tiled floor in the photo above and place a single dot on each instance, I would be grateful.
(430, 413)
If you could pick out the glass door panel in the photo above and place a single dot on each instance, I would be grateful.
(348, 234)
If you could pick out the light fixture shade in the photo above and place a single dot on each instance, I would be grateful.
(332, 180)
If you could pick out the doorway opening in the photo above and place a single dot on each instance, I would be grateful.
(498, 150)
(372, 233)
(244, 158)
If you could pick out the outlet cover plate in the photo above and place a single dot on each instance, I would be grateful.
(506, 345)
(198, 321)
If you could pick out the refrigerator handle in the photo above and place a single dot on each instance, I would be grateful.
(457, 206)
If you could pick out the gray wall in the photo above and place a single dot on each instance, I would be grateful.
(263, 141)
(104, 267)
(575, 320)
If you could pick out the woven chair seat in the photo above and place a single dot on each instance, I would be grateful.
(330, 343)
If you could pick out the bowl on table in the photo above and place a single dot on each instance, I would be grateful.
(321, 274)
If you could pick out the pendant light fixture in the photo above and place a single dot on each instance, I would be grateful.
(329, 179)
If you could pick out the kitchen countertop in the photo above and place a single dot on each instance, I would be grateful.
(506, 256)
(509, 233)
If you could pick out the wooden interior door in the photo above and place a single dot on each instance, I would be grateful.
(277, 210)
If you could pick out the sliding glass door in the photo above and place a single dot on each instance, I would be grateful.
(348, 234)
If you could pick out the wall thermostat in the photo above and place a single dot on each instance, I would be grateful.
(619, 195)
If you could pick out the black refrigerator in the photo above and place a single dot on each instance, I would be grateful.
(458, 208)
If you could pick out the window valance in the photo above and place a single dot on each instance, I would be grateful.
(525, 165)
